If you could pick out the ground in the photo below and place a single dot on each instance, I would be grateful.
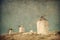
(27, 36)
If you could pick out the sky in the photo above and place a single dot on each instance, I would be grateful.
(26, 12)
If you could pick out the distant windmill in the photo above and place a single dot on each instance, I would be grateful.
(10, 30)
(21, 28)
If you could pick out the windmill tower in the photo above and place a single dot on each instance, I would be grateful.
(21, 28)
(10, 30)
(42, 26)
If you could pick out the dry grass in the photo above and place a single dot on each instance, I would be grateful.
(21, 36)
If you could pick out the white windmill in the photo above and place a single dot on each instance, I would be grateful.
(21, 28)
(42, 26)
(10, 31)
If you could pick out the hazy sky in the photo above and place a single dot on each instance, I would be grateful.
(18, 12)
